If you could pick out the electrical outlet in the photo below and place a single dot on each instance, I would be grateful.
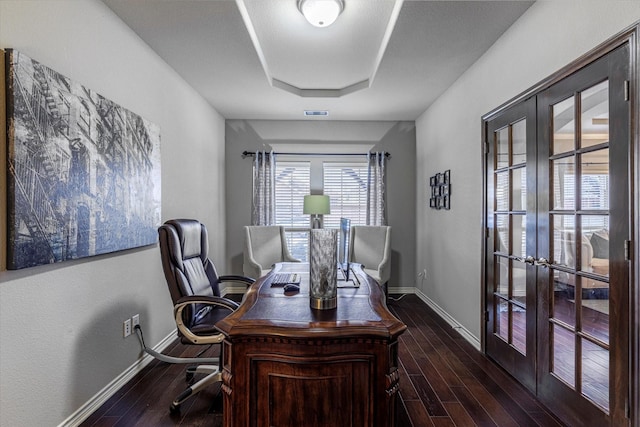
(135, 320)
(126, 328)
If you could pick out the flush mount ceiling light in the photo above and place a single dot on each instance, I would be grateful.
(321, 13)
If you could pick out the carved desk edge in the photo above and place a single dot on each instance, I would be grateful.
(387, 328)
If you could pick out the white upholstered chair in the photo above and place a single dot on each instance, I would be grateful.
(370, 246)
(591, 260)
(264, 245)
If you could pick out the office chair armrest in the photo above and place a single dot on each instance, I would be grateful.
(233, 278)
(195, 299)
(204, 299)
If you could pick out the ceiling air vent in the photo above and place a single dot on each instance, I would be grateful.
(316, 113)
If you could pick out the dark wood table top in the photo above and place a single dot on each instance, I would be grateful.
(269, 311)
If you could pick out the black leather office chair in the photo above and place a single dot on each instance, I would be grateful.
(194, 287)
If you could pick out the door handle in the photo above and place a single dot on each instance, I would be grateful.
(528, 260)
(543, 262)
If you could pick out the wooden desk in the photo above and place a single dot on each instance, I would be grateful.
(285, 364)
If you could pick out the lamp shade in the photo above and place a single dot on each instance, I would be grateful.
(316, 205)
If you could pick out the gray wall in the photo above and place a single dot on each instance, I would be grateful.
(326, 136)
(61, 325)
(547, 37)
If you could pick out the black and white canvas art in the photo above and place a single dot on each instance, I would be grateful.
(83, 172)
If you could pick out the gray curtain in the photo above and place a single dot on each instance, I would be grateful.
(376, 189)
(264, 194)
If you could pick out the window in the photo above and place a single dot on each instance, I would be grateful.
(344, 182)
(595, 196)
(293, 182)
(346, 186)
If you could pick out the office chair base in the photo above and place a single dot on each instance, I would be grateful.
(212, 378)
(171, 359)
(212, 371)
(200, 369)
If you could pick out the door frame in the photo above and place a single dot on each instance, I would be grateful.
(630, 36)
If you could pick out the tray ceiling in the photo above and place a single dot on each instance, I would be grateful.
(260, 59)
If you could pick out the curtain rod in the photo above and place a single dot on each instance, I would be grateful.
(253, 153)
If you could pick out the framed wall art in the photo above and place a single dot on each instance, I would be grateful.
(440, 185)
(83, 173)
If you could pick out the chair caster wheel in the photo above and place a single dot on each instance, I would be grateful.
(174, 408)
(189, 377)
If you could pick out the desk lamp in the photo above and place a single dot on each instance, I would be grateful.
(316, 205)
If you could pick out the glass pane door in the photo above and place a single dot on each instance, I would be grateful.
(558, 221)
(511, 210)
(583, 305)
(579, 218)
(511, 236)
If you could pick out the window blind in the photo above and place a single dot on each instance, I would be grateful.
(346, 186)
(594, 196)
(292, 184)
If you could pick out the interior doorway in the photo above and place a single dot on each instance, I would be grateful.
(559, 226)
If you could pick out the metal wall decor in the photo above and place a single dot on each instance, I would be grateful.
(440, 185)
(83, 173)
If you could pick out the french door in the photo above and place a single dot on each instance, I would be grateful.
(511, 300)
(558, 232)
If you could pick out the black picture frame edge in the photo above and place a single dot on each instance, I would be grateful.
(3, 163)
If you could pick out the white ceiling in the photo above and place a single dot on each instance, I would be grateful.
(260, 59)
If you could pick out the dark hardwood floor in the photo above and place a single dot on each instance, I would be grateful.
(444, 382)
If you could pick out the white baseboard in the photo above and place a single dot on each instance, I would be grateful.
(475, 342)
(110, 389)
(402, 290)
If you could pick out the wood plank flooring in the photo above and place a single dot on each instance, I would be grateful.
(444, 381)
